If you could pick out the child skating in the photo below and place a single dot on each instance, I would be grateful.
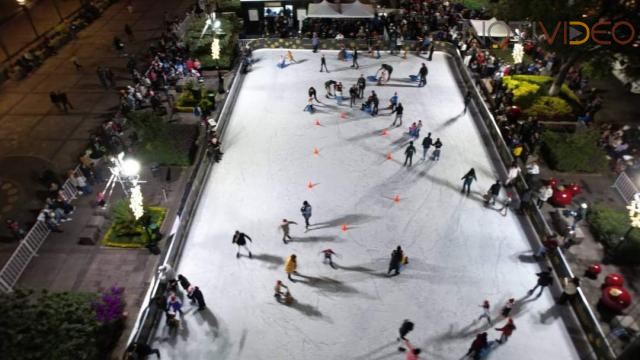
(328, 253)
(284, 226)
(486, 308)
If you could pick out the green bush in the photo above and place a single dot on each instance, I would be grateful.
(573, 152)
(126, 231)
(163, 143)
(44, 325)
(201, 48)
(549, 107)
(609, 225)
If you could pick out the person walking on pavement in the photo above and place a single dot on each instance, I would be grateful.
(493, 193)
(506, 331)
(62, 96)
(467, 100)
(545, 278)
(285, 230)
(436, 152)
(399, 109)
(426, 144)
(291, 266)
(313, 94)
(396, 260)
(362, 84)
(306, 213)
(486, 308)
(101, 76)
(323, 63)
(355, 59)
(240, 239)
(422, 74)
(405, 328)
(468, 178)
(55, 100)
(328, 253)
(108, 74)
(194, 294)
(408, 152)
(129, 32)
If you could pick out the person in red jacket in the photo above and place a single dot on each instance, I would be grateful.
(506, 330)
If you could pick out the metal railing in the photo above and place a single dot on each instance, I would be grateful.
(29, 246)
(625, 187)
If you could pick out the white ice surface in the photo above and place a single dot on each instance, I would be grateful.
(460, 252)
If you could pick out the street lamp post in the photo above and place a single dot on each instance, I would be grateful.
(126, 173)
(25, 9)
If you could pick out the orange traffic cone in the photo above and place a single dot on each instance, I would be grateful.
(343, 115)
(316, 152)
(317, 122)
(389, 157)
(310, 185)
(384, 132)
(396, 199)
(344, 227)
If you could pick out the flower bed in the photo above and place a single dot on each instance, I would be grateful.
(126, 232)
(530, 93)
(201, 48)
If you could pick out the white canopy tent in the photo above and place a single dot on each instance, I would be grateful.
(491, 28)
(326, 9)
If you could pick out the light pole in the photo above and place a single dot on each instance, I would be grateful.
(126, 173)
(634, 214)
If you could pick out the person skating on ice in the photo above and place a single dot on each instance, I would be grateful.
(436, 152)
(306, 213)
(290, 57)
(396, 260)
(355, 59)
(493, 193)
(353, 95)
(408, 152)
(545, 278)
(468, 178)
(422, 75)
(508, 306)
(309, 107)
(478, 344)
(426, 144)
(291, 266)
(323, 63)
(195, 295)
(467, 100)
(240, 239)
(284, 226)
(388, 68)
(506, 330)
(362, 84)
(328, 253)
(399, 110)
(313, 94)
(393, 102)
(486, 312)
(405, 328)
(281, 296)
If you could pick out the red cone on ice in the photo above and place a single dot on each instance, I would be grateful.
(396, 199)
(384, 132)
(344, 227)
(310, 185)
(316, 152)
(389, 157)
(317, 122)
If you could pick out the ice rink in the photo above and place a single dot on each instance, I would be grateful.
(460, 252)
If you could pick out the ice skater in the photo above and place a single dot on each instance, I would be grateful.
(506, 330)
(291, 266)
(184, 282)
(412, 353)
(408, 152)
(493, 193)
(353, 95)
(362, 84)
(396, 260)
(512, 173)
(306, 213)
(478, 344)
(508, 306)
(506, 204)
(422, 74)
(283, 62)
(323, 63)
(328, 253)
(290, 57)
(468, 178)
(283, 297)
(313, 94)
(284, 226)
(398, 110)
(545, 278)
(309, 107)
(355, 59)
(393, 102)
(388, 68)
(328, 85)
(338, 91)
(436, 152)
(405, 328)
(486, 308)
(174, 304)
(195, 295)
(426, 144)
(240, 239)
(467, 100)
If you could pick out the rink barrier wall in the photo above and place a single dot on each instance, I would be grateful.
(589, 322)
(150, 314)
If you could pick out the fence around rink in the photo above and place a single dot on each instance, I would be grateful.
(149, 315)
(29, 245)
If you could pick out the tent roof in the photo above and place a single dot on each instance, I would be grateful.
(492, 27)
(326, 9)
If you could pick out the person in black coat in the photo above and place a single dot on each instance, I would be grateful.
(396, 260)
(405, 328)
(362, 84)
(323, 64)
(493, 193)
(545, 278)
(422, 74)
(240, 239)
(312, 94)
(353, 95)
(355, 59)
(388, 68)
(399, 109)
(184, 282)
(194, 294)
(409, 151)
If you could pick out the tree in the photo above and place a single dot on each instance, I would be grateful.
(615, 36)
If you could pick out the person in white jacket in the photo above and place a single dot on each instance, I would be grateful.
(544, 193)
(512, 173)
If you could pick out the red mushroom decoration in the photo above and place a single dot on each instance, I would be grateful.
(614, 279)
(575, 189)
(561, 196)
(615, 298)
(593, 271)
